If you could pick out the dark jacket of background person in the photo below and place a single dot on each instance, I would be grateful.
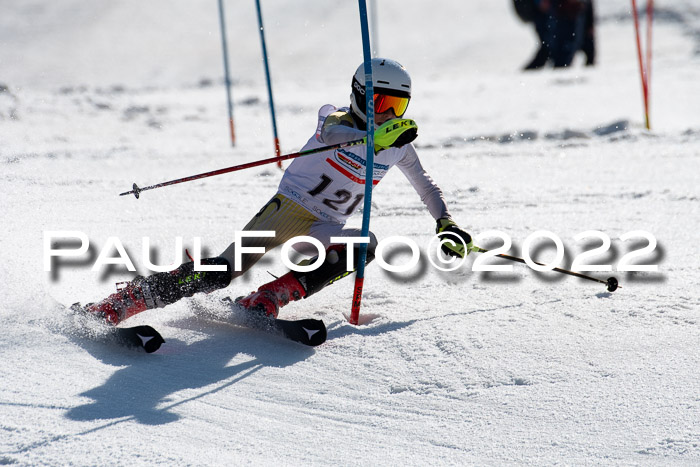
(563, 27)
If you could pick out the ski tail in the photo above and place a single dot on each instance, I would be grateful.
(135, 337)
(310, 332)
(144, 337)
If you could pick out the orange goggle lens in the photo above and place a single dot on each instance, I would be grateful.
(382, 103)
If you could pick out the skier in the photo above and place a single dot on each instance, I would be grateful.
(315, 197)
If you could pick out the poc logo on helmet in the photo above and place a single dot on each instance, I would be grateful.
(358, 87)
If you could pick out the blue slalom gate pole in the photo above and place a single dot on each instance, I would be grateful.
(369, 168)
(227, 77)
(269, 83)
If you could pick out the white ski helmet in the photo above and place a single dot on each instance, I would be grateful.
(389, 78)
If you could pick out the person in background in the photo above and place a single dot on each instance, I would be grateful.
(563, 28)
(588, 47)
(567, 30)
(543, 21)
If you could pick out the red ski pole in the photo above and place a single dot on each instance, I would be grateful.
(136, 191)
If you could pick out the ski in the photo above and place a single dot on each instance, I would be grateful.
(144, 337)
(135, 337)
(311, 332)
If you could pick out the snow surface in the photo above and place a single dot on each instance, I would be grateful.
(459, 368)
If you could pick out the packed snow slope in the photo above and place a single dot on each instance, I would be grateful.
(448, 368)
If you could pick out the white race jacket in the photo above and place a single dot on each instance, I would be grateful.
(331, 184)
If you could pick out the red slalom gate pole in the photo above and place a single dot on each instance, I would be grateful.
(650, 20)
(232, 131)
(136, 191)
(642, 65)
(278, 152)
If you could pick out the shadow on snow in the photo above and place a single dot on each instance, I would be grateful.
(142, 388)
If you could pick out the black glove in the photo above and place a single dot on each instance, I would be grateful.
(457, 242)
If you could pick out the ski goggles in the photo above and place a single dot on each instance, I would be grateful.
(382, 103)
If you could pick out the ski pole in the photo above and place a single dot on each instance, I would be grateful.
(136, 191)
(611, 282)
